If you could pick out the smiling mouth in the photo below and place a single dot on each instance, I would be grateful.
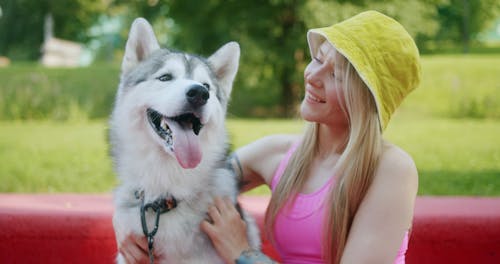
(162, 124)
(315, 99)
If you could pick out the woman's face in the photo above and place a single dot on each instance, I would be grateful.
(323, 95)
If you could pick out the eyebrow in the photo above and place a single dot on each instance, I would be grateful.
(325, 54)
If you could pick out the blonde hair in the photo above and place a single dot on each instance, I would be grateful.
(354, 170)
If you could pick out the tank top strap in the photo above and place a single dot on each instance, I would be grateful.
(283, 163)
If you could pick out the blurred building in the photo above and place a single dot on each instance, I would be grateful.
(61, 53)
(4, 61)
(58, 52)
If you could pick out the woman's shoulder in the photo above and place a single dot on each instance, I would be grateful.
(396, 164)
(278, 143)
(270, 147)
(263, 156)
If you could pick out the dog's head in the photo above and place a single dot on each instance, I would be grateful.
(174, 96)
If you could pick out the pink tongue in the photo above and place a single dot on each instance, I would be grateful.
(186, 145)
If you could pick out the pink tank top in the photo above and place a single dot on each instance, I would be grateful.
(298, 227)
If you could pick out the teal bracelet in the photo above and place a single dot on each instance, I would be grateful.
(252, 256)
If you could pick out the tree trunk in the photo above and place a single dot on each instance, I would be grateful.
(287, 93)
(465, 29)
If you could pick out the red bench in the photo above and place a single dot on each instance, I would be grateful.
(72, 228)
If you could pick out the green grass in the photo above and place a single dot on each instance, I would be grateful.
(453, 156)
(465, 86)
(450, 125)
(30, 91)
(47, 156)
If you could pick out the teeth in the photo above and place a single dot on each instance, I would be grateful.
(169, 144)
(315, 99)
(163, 124)
(162, 129)
(169, 140)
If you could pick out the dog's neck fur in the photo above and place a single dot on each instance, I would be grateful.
(159, 173)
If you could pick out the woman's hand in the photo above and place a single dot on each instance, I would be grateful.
(227, 230)
(134, 249)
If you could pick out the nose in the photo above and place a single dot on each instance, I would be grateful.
(197, 95)
(312, 75)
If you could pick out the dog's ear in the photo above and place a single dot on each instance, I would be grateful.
(225, 65)
(140, 44)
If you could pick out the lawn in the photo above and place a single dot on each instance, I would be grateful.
(450, 125)
(453, 156)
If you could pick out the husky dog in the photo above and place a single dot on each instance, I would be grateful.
(169, 146)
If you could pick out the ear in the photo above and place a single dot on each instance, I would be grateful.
(225, 65)
(140, 44)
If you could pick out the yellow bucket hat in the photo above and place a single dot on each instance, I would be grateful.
(382, 52)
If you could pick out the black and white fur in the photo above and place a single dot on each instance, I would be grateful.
(160, 80)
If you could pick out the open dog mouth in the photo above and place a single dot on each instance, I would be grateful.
(160, 122)
(180, 135)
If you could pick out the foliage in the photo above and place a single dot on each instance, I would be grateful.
(272, 33)
(22, 24)
(461, 20)
(417, 16)
(454, 86)
(30, 91)
(453, 157)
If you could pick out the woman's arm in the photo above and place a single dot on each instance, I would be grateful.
(386, 213)
(255, 163)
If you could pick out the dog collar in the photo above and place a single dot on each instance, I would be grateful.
(162, 204)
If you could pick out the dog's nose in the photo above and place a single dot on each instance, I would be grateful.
(197, 95)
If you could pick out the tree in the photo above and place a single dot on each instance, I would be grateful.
(22, 23)
(272, 35)
(461, 20)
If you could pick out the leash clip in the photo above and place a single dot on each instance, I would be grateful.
(158, 206)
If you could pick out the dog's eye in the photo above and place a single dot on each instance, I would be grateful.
(206, 86)
(165, 77)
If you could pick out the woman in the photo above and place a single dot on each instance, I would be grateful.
(340, 193)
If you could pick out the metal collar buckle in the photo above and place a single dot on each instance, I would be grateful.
(159, 206)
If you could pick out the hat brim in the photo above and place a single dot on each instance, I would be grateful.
(343, 45)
